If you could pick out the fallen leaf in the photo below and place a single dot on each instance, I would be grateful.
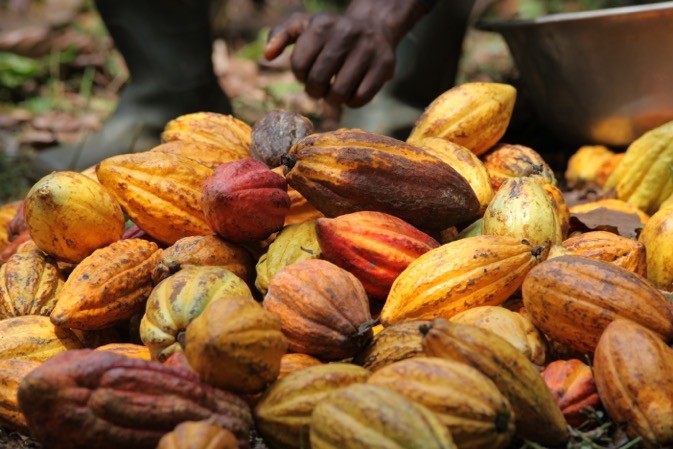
(604, 219)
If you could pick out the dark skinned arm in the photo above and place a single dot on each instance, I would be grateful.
(346, 58)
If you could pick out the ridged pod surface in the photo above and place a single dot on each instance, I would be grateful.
(34, 337)
(364, 416)
(12, 373)
(69, 216)
(301, 210)
(516, 161)
(160, 192)
(657, 236)
(373, 246)
(180, 298)
(111, 401)
(223, 131)
(347, 171)
(396, 342)
(584, 164)
(207, 154)
(513, 327)
(283, 414)
(572, 384)
(296, 361)
(643, 178)
(29, 285)
(236, 345)
(7, 213)
(572, 299)
(457, 276)
(609, 247)
(127, 349)
(538, 417)
(466, 402)
(294, 243)
(474, 115)
(198, 435)
(634, 376)
(109, 286)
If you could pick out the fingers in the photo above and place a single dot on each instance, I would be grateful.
(285, 34)
(372, 82)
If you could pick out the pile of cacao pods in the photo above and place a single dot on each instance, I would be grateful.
(341, 289)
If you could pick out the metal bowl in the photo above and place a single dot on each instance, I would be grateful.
(602, 77)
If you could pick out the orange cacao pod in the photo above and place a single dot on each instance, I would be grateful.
(7, 213)
(128, 349)
(208, 154)
(295, 361)
(198, 435)
(608, 247)
(222, 131)
(12, 373)
(572, 384)
(516, 161)
(396, 342)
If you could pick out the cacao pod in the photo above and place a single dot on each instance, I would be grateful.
(128, 349)
(7, 213)
(208, 154)
(583, 166)
(516, 161)
(69, 216)
(351, 170)
(198, 435)
(395, 422)
(323, 310)
(301, 210)
(29, 285)
(34, 337)
(295, 361)
(634, 376)
(12, 373)
(396, 342)
(473, 230)
(180, 298)
(17, 224)
(538, 417)
(607, 167)
(558, 202)
(657, 237)
(373, 246)
(159, 192)
(609, 247)
(283, 414)
(572, 384)
(466, 402)
(275, 133)
(477, 271)
(112, 401)
(473, 115)
(222, 131)
(109, 286)
(572, 299)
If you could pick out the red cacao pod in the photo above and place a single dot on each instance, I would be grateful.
(98, 399)
(572, 384)
(245, 201)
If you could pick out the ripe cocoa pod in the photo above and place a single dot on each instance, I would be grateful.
(634, 376)
(323, 310)
(572, 299)
(69, 216)
(204, 250)
(236, 345)
(245, 201)
(222, 131)
(127, 349)
(373, 246)
(301, 210)
(656, 237)
(538, 417)
(522, 209)
(283, 414)
(395, 421)
(109, 286)
(34, 337)
(7, 213)
(608, 247)
(516, 161)
(159, 192)
(180, 298)
(112, 401)
(29, 285)
(607, 167)
(476, 271)
(396, 342)
(351, 170)
(275, 133)
(572, 384)
(208, 154)
(643, 177)
(464, 162)
(474, 115)
(198, 435)
(294, 243)
(12, 373)
(14, 246)
(585, 163)
(17, 224)
(295, 361)
(466, 402)
(513, 327)
(558, 202)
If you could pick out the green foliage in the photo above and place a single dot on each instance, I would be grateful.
(15, 70)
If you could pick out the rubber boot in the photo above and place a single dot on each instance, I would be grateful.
(426, 66)
(168, 49)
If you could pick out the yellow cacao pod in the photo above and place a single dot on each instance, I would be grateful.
(7, 213)
(295, 361)
(473, 115)
(159, 192)
(29, 285)
(128, 349)
(198, 435)
(34, 337)
(207, 154)
(395, 422)
(467, 402)
(609, 247)
(644, 178)
(513, 327)
(396, 342)
(558, 202)
(607, 167)
(538, 416)
(283, 414)
(69, 216)
(657, 236)
(476, 271)
(12, 373)
(219, 130)
(516, 161)
(634, 376)
(583, 166)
